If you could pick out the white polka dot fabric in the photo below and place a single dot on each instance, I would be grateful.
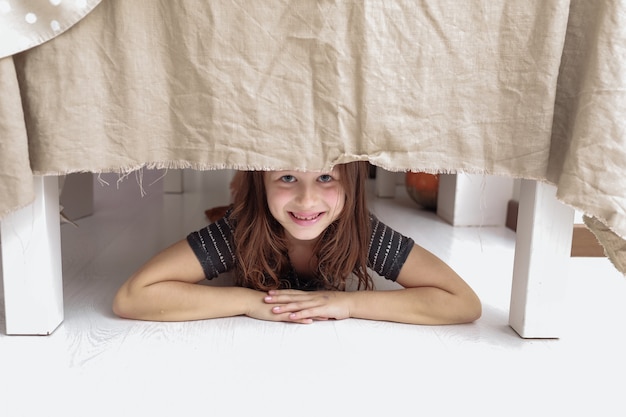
(28, 23)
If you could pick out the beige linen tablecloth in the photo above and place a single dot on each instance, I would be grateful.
(533, 89)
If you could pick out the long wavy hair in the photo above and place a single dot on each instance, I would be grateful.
(261, 245)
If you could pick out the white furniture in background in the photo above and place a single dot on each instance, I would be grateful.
(474, 200)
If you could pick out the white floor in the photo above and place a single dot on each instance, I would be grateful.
(98, 365)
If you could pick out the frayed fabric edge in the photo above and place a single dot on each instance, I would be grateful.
(7, 212)
(607, 238)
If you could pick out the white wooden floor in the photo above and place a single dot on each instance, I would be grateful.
(98, 365)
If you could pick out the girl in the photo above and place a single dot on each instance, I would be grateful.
(294, 240)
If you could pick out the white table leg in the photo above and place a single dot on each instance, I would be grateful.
(31, 262)
(542, 250)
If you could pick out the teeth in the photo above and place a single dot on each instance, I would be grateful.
(305, 218)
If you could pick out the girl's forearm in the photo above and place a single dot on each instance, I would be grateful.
(424, 305)
(182, 301)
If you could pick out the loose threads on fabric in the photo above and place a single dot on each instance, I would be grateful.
(101, 180)
(139, 178)
(159, 178)
(121, 178)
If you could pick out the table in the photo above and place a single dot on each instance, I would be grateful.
(533, 91)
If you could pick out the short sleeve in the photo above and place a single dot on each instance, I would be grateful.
(213, 247)
(388, 249)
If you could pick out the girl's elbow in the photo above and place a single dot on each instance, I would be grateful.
(475, 314)
(123, 305)
(473, 310)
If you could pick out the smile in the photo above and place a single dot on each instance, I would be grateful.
(305, 217)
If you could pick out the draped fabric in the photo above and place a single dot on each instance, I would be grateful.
(533, 89)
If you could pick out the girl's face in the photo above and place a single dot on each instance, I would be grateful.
(304, 203)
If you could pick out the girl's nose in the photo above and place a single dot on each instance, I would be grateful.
(306, 195)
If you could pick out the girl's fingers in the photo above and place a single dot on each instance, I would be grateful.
(286, 292)
(285, 298)
(308, 316)
(288, 308)
(289, 317)
(305, 307)
(294, 296)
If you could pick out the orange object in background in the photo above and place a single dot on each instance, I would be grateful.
(423, 188)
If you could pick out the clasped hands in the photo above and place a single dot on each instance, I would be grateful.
(302, 306)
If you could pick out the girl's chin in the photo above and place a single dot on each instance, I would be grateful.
(304, 237)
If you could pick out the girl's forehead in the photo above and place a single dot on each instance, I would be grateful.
(333, 172)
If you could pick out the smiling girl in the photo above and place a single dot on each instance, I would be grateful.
(294, 240)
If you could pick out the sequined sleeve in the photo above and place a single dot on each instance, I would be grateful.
(388, 249)
(212, 246)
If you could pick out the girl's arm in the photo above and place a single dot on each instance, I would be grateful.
(433, 294)
(166, 289)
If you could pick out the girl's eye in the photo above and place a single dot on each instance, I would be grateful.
(325, 178)
(287, 178)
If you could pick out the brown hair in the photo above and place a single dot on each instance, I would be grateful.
(261, 246)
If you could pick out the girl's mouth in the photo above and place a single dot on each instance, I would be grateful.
(305, 218)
